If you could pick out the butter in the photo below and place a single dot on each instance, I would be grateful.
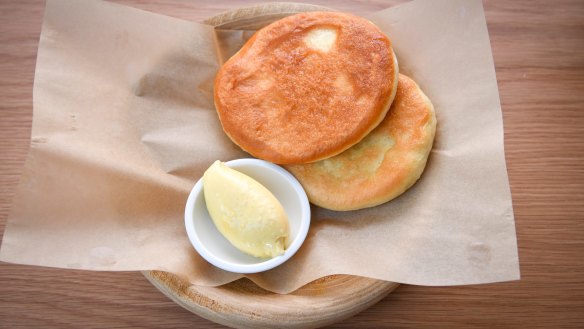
(246, 213)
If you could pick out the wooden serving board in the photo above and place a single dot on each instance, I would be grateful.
(241, 303)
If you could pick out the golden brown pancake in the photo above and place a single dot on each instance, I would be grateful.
(383, 165)
(306, 87)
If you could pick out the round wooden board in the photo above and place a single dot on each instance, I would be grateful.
(242, 304)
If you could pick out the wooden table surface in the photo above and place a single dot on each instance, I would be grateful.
(538, 48)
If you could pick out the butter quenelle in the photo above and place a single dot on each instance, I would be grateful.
(246, 213)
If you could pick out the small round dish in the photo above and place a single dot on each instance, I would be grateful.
(214, 248)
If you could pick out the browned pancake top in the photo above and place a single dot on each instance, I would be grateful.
(306, 87)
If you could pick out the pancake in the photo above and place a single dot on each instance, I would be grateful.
(306, 87)
(383, 165)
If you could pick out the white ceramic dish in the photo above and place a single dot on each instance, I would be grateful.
(213, 247)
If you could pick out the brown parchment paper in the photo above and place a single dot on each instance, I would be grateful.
(124, 125)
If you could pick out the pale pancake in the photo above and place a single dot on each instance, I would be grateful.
(383, 165)
(307, 87)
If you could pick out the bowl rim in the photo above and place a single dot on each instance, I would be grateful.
(268, 263)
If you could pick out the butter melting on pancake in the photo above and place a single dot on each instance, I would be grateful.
(307, 87)
(383, 165)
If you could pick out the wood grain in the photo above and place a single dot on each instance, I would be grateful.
(537, 46)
